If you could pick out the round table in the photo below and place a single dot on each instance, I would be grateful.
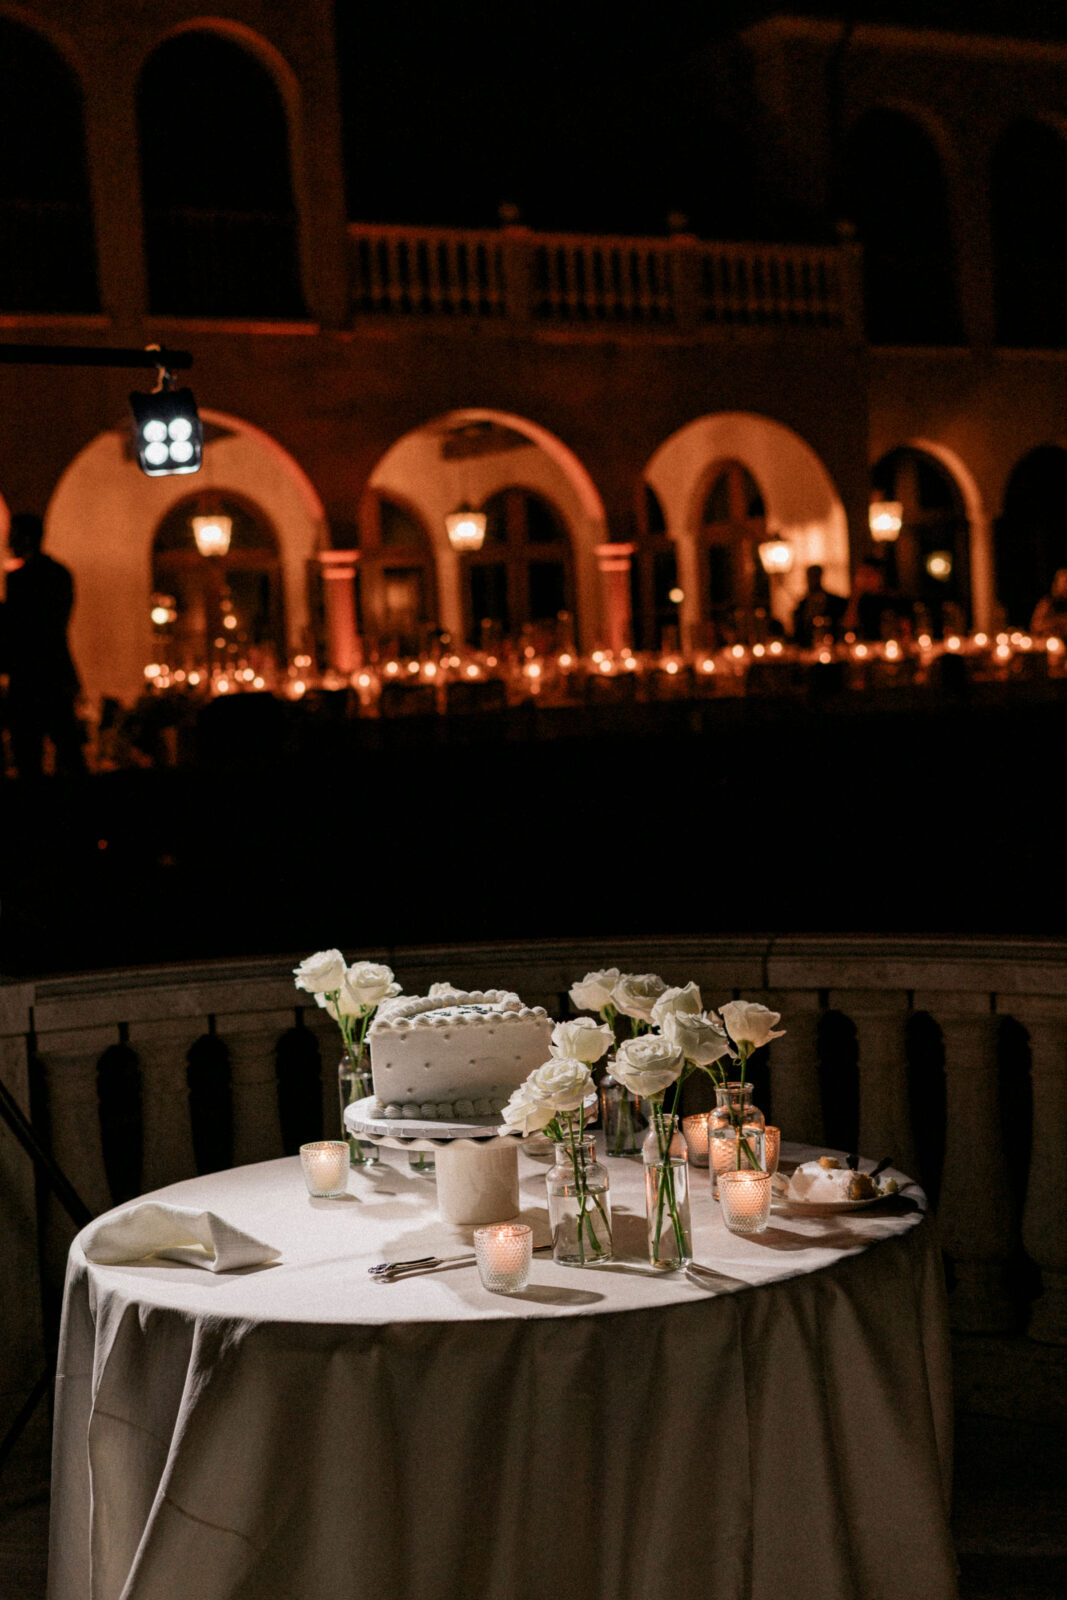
(301, 1430)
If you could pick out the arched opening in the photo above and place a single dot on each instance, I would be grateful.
(225, 609)
(929, 564)
(520, 584)
(1031, 533)
(733, 523)
(48, 260)
(721, 481)
(220, 222)
(653, 577)
(396, 577)
(893, 191)
(1028, 196)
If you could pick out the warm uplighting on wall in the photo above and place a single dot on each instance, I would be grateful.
(939, 565)
(212, 533)
(885, 519)
(776, 555)
(466, 528)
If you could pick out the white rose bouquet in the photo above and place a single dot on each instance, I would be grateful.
(553, 1100)
(749, 1026)
(350, 995)
(648, 1066)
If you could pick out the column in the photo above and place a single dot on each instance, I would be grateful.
(880, 1019)
(338, 577)
(613, 562)
(796, 1101)
(1045, 1211)
(162, 1048)
(975, 1209)
(251, 1041)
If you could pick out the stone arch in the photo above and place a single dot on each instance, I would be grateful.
(535, 459)
(1031, 542)
(980, 533)
(801, 501)
(102, 519)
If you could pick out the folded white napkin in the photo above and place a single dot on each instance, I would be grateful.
(180, 1233)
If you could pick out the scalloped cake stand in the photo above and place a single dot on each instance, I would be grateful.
(477, 1167)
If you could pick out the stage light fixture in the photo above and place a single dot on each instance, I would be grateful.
(168, 435)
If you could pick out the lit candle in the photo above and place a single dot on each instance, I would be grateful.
(325, 1165)
(504, 1252)
(695, 1129)
(746, 1199)
(723, 1148)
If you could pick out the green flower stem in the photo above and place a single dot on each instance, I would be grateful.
(564, 1132)
(664, 1135)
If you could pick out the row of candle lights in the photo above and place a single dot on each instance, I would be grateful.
(530, 672)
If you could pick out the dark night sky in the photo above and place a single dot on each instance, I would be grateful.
(588, 115)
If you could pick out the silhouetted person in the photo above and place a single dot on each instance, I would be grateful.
(874, 611)
(42, 681)
(818, 613)
(1050, 613)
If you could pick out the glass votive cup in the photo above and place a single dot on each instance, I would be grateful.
(504, 1252)
(325, 1164)
(723, 1151)
(745, 1197)
(772, 1148)
(695, 1132)
(422, 1161)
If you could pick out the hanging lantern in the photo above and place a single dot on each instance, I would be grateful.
(886, 518)
(776, 555)
(939, 565)
(466, 528)
(212, 533)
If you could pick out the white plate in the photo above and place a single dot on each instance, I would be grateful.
(818, 1208)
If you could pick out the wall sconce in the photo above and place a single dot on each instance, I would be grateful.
(212, 533)
(885, 518)
(776, 555)
(466, 528)
(939, 565)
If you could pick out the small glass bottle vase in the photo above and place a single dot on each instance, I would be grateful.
(666, 1158)
(735, 1131)
(354, 1082)
(621, 1119)
(579, 1205)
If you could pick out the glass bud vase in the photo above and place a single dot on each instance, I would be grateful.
(354, 1082)
(621, 1118)
(579, 1205)
(666, 1158)
(735, 1130)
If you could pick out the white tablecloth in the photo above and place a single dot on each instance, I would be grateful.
(299, 1430)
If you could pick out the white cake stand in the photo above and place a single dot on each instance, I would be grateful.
(476, 1162)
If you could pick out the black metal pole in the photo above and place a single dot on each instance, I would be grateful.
(92, 355)
(64, 1190)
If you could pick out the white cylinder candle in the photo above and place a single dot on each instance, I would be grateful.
(325, 1165)
(504, 1253)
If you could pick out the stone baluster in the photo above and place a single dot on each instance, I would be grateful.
(796, 1102)
(20, 1300)
(1045, 1212)
(162, 1048)
(69, 1059)
(331, 1049)
(978, 1228)
(251, 1040)
(880, 1019)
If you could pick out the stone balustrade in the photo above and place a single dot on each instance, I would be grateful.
(949, 1055)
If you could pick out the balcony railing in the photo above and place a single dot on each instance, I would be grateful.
(682, 285)
(950, 1056)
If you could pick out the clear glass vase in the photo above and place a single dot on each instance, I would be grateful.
(579, 1205)
(666, 1158)
(621, 1117)
(735, 1131)
(354, 1082)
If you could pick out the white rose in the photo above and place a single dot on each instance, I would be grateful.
(562, 1083)
(672, 1000)
(700, 1039)
(322, 973)
(366, 985)
(648, 1065)
(747, 1022)
(582, 1040)
(636, 993)
(525, 1112)
(593, 993)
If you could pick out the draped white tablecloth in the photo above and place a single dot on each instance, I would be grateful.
(298, 1430)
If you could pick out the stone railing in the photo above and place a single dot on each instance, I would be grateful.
(950, 1056)
(681, 284)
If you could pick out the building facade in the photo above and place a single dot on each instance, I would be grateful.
(899, 331)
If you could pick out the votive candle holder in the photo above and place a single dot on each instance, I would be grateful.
(745, 1196)
(695, 1132)
(325, 1163)
(772, 1148)
(723, 1151)
(504, 1252)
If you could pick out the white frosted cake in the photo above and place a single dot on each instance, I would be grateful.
(454, 1055)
